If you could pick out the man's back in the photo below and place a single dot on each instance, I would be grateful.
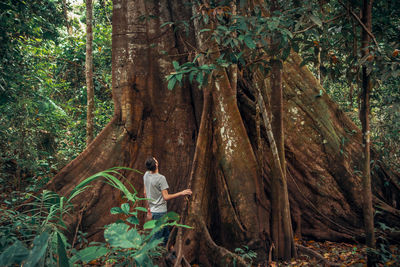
(154, 184)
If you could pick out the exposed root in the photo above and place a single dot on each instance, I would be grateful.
(78, 224)
(198, 172)
(218, 256)
(385, 207)
(315, 254)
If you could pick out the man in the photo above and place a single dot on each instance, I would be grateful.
(156, 190)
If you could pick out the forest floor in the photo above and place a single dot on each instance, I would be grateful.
(329, 254)
(337, 254)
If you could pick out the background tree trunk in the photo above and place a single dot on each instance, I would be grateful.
(65, 13)
(89, 72)
(281, 222)
(364, 117)
(206, 139)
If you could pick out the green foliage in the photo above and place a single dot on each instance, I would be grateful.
(38, 226)
(43, 213)
(62, 253)
(42, 89)
(36, 254)
(337, 41)
(252, 32)
(119, 235)
(193, 70)
(89, 254)
(34, 235)
(14, 254)
(18, 253)
(127, 245)
(246, 254)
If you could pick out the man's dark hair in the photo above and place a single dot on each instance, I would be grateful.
(151, 164)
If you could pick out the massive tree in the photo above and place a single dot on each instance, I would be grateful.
(211, 140)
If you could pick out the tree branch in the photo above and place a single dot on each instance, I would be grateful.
(361, 24)
(312, 26)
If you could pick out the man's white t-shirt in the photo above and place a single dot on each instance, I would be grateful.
(154, 184)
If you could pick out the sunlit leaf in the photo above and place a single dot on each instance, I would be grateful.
(119, 235)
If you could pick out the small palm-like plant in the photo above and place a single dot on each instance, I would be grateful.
(39, 225)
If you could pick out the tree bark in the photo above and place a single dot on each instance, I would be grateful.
(282, 230)
(317, 54)
(89, 73)
(65, 13)
(364, 117)
(281, 223)
(206, 139)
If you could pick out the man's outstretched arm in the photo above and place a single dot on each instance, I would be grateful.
(168, 196)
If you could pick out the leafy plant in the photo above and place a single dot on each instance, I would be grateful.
(34, 235)
(127, 245)
(38, 225)
(246, 254)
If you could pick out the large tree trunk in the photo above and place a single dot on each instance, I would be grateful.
(207, 140)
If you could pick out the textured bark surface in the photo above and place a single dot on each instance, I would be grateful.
(89, 72)
(207, 140)
(368, 210)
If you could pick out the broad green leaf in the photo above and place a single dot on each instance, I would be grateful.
(175, 64)
(125, 208)
(119, 235)
(316, 20)
(222, 28)
(199, 78)
(88, 254)
(249, 42)
(133, 220)
(39, 248)
(142, 255)
(172, 216)
(62, 254)
(141, 209)
(14, 254)
(171, 83)
(179, 77)
(149, 224)
(116, 210)
(273, 24)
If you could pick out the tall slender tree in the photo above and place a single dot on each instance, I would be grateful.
(365, 122)
(89, 72)
(281, 223)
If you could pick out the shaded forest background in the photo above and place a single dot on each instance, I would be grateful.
(43, 87)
